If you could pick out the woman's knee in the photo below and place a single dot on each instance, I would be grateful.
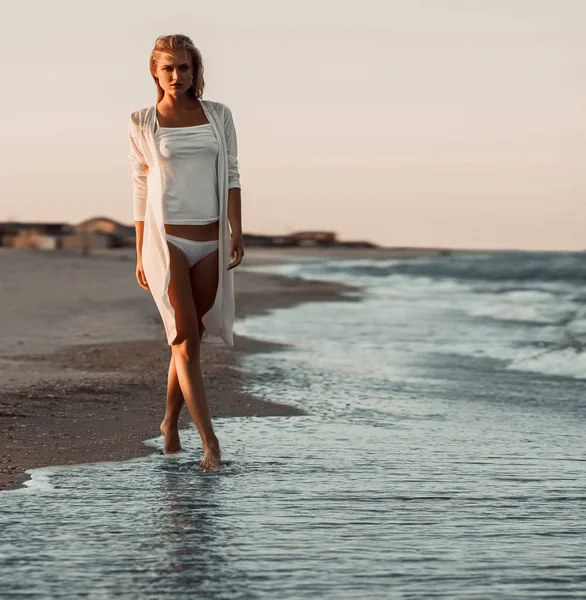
(187, 347)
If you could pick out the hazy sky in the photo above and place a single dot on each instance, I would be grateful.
(456, 123)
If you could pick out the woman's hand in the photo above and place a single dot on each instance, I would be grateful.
(140, 276)
(236, 249)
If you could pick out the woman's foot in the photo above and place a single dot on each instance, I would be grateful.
(171, 433)
(211, 456)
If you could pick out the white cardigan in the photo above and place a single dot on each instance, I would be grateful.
(148, 206)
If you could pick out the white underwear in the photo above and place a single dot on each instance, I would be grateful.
(194, 250)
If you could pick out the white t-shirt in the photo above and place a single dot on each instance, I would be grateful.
(188, 157)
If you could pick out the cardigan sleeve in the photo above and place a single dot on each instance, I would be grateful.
(232, 149)
(139, 174)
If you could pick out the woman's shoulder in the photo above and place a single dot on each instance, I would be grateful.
(138, 116)
(219, 107)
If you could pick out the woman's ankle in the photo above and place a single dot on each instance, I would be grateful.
(210, 441)
(171, 421)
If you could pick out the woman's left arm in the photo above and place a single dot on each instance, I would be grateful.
(234, 192)
(235, 210)
(235, 218)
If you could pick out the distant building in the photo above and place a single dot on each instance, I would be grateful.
(97, 232)
(357, 244)
(303, 238)
(268, 240)
(44, 236)
(315, 238)
(282, 240)
(119, 235)
(250, 239)
(85, 241)
(103, 232)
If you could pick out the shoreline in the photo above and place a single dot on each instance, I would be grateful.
(98, 401)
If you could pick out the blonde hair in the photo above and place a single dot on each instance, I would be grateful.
(178, 42)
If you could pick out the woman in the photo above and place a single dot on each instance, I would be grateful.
(186, 198)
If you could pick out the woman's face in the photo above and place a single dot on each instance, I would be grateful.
(174, 72)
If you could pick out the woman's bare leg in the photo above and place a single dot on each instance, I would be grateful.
(170, 425)
(186, 356)
(188, 366)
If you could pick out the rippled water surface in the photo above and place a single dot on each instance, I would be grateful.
(420, 472)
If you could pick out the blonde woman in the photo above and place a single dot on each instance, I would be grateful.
(187, 213)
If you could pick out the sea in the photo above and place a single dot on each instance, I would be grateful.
(442, 454)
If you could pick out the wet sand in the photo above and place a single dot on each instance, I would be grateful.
(84, 359)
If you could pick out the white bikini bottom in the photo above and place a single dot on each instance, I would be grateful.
(194, 250)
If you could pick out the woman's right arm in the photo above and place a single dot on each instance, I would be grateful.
(140, 170)
(140, 276)
(139, 196)
(139, 225)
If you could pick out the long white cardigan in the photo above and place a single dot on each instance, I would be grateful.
(148, 206)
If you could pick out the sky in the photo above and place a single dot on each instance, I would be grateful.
(436, 123)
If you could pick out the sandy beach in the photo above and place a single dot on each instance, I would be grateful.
(84, 361)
